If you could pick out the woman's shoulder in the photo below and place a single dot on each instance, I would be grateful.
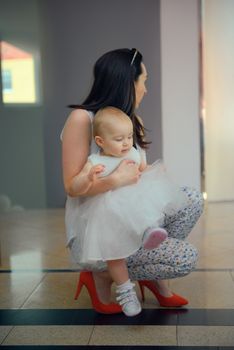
(79, 115)
(78, 119)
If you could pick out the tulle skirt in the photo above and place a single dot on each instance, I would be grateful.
(111, 225)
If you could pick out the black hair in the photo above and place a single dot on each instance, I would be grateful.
(114, 75)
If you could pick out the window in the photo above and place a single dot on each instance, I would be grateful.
(18, 75)
(6, 81)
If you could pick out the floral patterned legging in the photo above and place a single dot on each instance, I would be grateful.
(174, 257)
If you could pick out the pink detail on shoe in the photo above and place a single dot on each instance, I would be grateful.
(155, 238)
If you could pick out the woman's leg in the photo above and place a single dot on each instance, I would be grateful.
(174, 258)
(103, 282)
(181, 224)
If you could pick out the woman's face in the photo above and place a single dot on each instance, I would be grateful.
(140, 88)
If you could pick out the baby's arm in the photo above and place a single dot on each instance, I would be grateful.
(85, 179)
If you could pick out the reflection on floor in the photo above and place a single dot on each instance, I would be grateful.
(38, 281)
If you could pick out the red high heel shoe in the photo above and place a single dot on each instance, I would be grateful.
(86, 279)
(173, 301)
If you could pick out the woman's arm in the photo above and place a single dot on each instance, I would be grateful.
(75, 147)
(75, 150)
(84, 180)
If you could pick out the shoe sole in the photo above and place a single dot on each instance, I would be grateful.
(155, 238)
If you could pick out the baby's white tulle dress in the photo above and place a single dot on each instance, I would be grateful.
(111, 225)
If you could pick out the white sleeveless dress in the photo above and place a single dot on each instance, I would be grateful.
(111, 225)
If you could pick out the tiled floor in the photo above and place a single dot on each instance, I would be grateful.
(38, 280)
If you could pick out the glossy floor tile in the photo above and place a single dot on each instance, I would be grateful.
(133, 335)
(57, 290)
(16, 288)
(4, 331)
(206, 289)
(206, 336)
(51, 335)
(33, 238)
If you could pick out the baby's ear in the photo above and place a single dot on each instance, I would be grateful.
(99, 141)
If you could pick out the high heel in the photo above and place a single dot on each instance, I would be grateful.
(173, 301)
(86, 279)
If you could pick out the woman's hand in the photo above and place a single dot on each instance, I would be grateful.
(127, 173)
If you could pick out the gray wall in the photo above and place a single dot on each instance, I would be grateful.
(72, 35)
(22, 175)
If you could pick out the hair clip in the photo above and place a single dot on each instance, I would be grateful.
(134, 56)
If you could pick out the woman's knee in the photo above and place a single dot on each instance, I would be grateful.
(174, 258)
(187, 261)
(196, 201)
(183, 257)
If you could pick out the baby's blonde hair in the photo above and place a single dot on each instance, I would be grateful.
(106, 117)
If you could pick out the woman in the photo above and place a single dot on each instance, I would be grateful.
(119, 81)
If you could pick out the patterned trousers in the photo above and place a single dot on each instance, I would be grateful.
(174, 257)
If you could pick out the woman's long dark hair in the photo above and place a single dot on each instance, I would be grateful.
(114, 75)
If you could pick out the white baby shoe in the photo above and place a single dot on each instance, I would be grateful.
(153, 237)
(127, 299)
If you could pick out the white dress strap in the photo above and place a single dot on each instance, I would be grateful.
(91, 115)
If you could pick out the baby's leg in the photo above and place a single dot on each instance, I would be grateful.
(126, 295)
(118, 270)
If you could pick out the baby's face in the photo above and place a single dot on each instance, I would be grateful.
(118, 139)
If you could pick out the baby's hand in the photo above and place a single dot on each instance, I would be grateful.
(127, 173)
(95, 171)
